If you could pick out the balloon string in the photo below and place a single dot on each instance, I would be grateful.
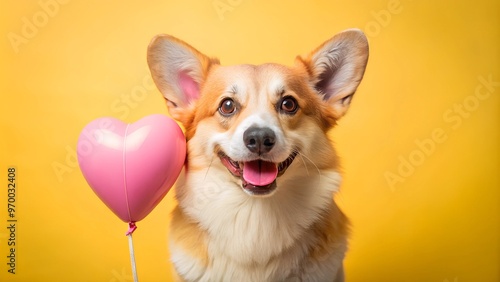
(131, 248)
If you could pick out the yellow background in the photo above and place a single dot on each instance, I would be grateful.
(438, 222)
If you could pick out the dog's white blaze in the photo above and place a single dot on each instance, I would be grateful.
(264, 115)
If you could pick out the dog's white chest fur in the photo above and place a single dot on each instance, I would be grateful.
(253, 239)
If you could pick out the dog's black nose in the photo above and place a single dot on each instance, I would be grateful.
(259, 140)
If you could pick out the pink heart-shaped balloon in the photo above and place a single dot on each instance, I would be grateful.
(131, 167)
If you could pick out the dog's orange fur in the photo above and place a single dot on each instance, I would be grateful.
(189, 235)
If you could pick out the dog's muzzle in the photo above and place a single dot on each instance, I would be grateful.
(258, 176)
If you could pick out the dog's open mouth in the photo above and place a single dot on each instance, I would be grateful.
(258, 176)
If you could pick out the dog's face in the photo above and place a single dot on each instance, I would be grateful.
(253, 122)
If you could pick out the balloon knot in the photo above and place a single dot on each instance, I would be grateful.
(131, 228)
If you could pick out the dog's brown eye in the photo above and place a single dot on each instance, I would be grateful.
(289, 105)
(227, 107)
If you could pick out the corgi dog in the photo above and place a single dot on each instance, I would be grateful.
(256, 198)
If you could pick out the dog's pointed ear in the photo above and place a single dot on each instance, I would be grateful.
(336, 68)
(178, 70)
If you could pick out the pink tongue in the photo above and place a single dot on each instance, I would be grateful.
(260, 173)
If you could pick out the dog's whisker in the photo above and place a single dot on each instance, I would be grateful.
(208, 169)
(304, 162)
(302, 155)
